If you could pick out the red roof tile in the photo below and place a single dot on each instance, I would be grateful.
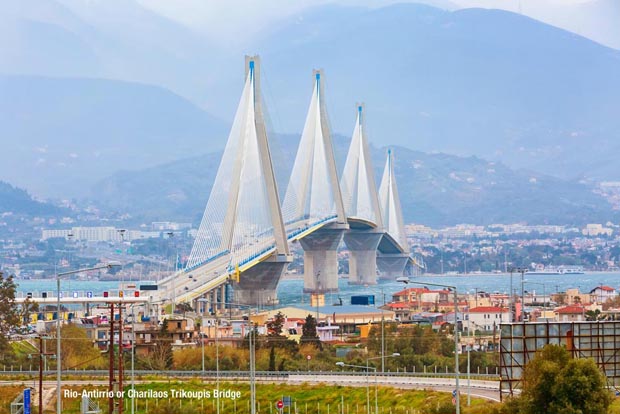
(488, 309)
(572, 309)
(411, 290)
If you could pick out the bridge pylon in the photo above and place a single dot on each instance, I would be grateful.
(242, 229)
(393, 250)
(361, 202)
(313, 198)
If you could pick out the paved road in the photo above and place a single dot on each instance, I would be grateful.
(484, 389)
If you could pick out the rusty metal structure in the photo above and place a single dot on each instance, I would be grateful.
(520, 341)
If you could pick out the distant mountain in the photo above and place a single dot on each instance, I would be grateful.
(116, 39)
(489, 83)
(18, 201)
(444, 189)
(61, 135)
(436, 189)
(470, 82)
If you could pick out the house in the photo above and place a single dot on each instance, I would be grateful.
(181, 330)
(409, 295)
(570, 313)
(602, 294)
(347, 317)
(327, 333)
(402, 310)
(485, 318)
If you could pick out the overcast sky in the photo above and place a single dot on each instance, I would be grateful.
(595, 19)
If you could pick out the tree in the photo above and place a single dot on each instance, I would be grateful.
(274, 326)
(594, 315)
(78, 350)
(28, 307)
(272, 359)
(612, 303)
(161, 357)
(183, 308)
(308, 332)
(9, 314)
(553, 383)
(274, 332)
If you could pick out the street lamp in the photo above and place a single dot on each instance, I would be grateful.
(158, 303)
(382, 357)
(405, 279)
(252, 366)
(342, 364)
(217, 351)
(108, 265)
(382, 332)
(252, 345)
(203, 300)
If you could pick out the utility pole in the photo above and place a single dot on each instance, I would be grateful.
(521, 270)
(120, 357)
(40, 375)
(111, 358)
(42, 355)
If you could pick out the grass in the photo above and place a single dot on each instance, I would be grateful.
(8, 394)
(615, 406)
(310, 399)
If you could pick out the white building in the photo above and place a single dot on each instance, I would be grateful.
(55, 234)
(485, 318)
(99, 234)
(595, 229)
(601, 294)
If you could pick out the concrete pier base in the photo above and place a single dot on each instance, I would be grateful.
(362, 245)
(257, 286)
(321, 258)
(391, 266)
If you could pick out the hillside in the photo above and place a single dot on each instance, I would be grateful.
(64, 134)
(436, 189)
(18, 201)
(488, 83)
(471, 82)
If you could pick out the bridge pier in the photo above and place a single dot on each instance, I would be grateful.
(391, 266)
(216, 301)
(321, 258)
(258, 285)
(362, 245)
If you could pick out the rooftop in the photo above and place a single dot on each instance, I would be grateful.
(488, 309)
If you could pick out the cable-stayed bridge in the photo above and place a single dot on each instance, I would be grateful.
(244, 235)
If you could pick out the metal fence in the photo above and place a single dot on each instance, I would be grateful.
(245, 375)
(520, 341)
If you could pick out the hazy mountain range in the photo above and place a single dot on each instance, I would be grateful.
(64, 134)
(435, 189)
(90, 88)
(18, 201)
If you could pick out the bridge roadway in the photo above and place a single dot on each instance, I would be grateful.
(486, 387)
(191, 284)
